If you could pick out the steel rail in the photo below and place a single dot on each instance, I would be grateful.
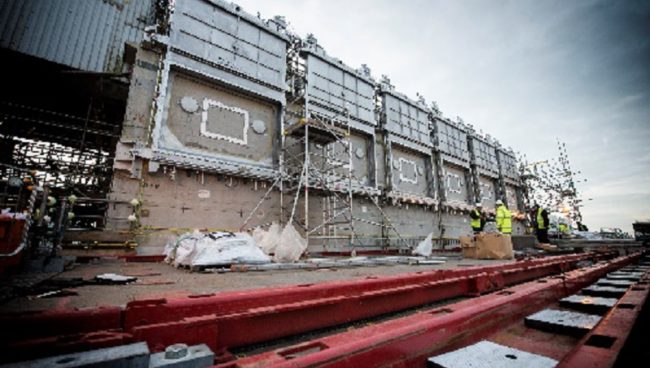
(602, 346)
(408, 341)
(240, 318)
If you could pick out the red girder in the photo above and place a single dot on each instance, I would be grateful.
(601, 346)
(406, 342)
(252, 316)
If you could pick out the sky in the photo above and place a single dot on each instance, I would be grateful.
(527, 72)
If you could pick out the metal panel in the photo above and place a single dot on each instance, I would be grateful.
(455, 184)
(511, 197)
(334, 159)
(87, 35)
(486, 354)
(225, 131)
(508, 165)
(333, 88)
(230, 45)
(411, 172)
(406, 118)
(235, 64)
(604, 291)
(451, 141)
(588, 304)
(134, 355)
(485, 156)
(561, 321)
(487, 190)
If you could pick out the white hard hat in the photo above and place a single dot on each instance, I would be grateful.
(499, 202)
(478, 204)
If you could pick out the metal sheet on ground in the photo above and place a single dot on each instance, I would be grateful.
(615, 283)
(604, 291)
(586, 303)
(125, 356)
(562, 321)
(486, 354)
(632, 276)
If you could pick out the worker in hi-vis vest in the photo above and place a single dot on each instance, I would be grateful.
(477, 218)
(562, 229)
(504, 218)
(541, 224)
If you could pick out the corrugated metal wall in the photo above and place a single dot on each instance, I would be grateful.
(84, 34)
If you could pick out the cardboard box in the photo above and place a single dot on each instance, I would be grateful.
(468, 246)
(493, 246)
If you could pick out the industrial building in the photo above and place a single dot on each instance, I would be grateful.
(207, 104)
(144, 120)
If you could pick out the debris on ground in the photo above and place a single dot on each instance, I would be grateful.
(268, 240)
(55, 294)
(290, 246)
(115, 279)
(196, 250)
(425, 247)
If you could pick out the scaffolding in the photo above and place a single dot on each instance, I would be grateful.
(322, 162)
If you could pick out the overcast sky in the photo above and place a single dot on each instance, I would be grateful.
(526, 72)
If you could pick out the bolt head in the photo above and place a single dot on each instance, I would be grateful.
(176, 351)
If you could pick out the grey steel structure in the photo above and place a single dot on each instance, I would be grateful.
(230, 121)
(218, 44)
(485, 170)
(406, 132)
(87, 35)
(454, 162)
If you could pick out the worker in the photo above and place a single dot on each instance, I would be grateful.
(504, 218)
(541, 224)
(563, 229)
(478, 218)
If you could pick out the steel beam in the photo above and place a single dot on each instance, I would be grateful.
(240, 318)
(600, 348)
(244, 318)
(408, 341)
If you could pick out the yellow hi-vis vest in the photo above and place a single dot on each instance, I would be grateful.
(476, 223)
(504, 220)
(540, 219)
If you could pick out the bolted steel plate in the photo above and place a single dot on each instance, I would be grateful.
(615, 283)
(632, 276)
(125, 356)
(560, 321)
(589, 304)
(181, 355)
(486, 354)
(604, 291)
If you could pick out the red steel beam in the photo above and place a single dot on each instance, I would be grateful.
(602, 345)
(247, 317)
(408, 341)
(252, 317)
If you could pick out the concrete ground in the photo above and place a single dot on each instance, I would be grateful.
(160, 280)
